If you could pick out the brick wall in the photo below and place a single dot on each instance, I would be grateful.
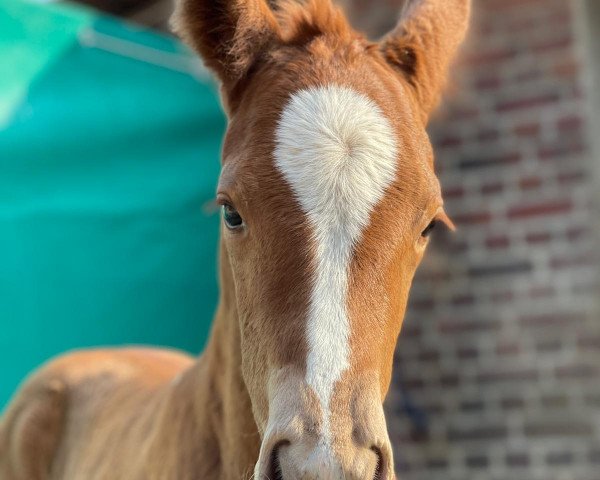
(498, 367)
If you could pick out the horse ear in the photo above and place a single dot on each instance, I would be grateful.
(229, 34)
(423, 44)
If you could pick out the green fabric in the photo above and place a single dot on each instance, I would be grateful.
(32, 38)
(105, 173)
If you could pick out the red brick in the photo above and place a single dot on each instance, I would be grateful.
(508, 375)
(453, 326)
(449, 380)
(467, 353)
(576, 92)
(594, 456)
(561, 16)
(563, 262)
(542, 291)
(458, 246)
(477, 461)
(512, 403)
(499, 5)
(528, 130)
(488, 83)
(552, 319)
(432, 276)
(422, 304)
(520, 459)
(434, 408)
(568, 178)
(492, 188)
(570, 123)
(449, 141)
(577, 233)
(529, 75)
(490, 160)
(473, 218)
(553, 44)
(535, 238)
(531, 102)
(413, 383)
(478, 433)
(508, 266)
(488, 135)
(558, 428)
(411, 331)
(520, 24)
(508, 349)
(593, 399)
(462, 112)
(555, 401)
(556, 459)
(437, 463)
(488, 57)
(560, 151)
(568, 69)
(578, 371)
(462, 300)
(549, 345)
(502, 296)
(454, 193)
(500, 241)
(540, 209)
(589, 342)
(530, 183)
(429, 356)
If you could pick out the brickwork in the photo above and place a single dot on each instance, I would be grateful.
(497, 372)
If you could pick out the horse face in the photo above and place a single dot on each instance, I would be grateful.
(328, 196)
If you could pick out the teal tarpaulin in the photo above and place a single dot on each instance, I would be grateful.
(109, 147)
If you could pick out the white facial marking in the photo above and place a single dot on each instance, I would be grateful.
(337, 150)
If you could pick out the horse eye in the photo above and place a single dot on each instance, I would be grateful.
(232, 218)
(427, 232)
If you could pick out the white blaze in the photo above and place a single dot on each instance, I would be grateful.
(337, 150)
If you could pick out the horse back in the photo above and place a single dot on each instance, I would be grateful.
(80, 406)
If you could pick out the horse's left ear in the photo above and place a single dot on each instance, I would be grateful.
(423, 44)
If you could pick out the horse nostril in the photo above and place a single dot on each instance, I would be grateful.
(275, 472)
(379, 469)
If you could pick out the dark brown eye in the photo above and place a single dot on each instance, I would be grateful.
(232, 218)
(427, 232)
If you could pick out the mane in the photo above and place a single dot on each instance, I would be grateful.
(303, 20)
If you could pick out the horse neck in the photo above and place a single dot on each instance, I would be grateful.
(226, 440)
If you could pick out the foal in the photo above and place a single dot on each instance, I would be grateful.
(328, 194)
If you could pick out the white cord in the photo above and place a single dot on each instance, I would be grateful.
(173, 61)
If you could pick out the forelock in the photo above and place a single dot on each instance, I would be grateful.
(303, 21)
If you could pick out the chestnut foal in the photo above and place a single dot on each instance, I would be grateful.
(329, 194)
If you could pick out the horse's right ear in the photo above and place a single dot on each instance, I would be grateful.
(229, 34)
